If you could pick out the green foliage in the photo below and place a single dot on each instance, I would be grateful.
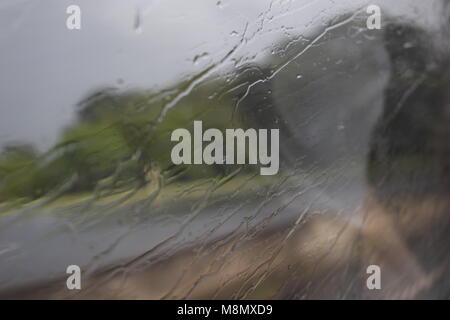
(115, 141)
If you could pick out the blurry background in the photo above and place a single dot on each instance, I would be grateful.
(85, 123)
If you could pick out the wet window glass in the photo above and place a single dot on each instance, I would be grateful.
(224, 149)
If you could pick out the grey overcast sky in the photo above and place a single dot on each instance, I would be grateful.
(45, 69)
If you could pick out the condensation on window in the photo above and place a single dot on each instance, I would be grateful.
(360, 178)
